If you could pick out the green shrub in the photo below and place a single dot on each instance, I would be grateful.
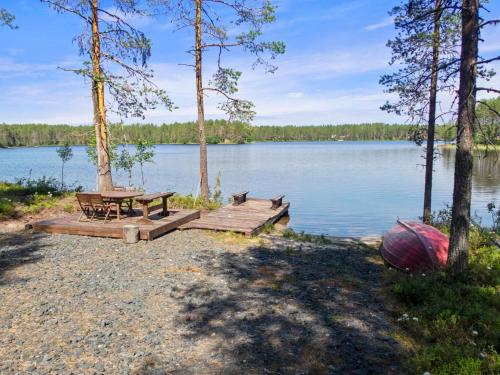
(304, 237)
(6, 207)
(68, 207)
(42, 185)
(28, 196)
(457, 320)
(191, 202)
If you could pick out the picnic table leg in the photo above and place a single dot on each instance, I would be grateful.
(119, 204)
(164, 206)
(145, 211)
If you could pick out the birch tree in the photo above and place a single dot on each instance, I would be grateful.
(115, 64)
(222, 26)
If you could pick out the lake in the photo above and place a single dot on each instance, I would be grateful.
(335, 188)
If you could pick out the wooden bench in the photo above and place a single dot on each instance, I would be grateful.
(239, 198)
(146, 199)
(277, 202)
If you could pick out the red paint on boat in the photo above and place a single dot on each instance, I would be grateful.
(415, 246)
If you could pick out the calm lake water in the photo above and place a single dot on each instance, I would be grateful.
(335, 188)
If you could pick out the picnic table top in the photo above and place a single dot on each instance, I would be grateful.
(121, 194)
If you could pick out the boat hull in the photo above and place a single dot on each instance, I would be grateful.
(414, 246)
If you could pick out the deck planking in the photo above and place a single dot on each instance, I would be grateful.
(248, 218)
(114, 229)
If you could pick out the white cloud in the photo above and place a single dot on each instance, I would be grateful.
(380, 25)
(280, 98)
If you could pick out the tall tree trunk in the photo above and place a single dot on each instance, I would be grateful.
(105, 181)
(142, 175)
(201, 111)
(429, 159)
(62, 176)
(460, 221)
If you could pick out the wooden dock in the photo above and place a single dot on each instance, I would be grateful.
(158, 226)
(249, 217)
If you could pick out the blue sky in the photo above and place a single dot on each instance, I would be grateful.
(335, 55)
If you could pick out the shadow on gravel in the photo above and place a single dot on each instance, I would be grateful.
(293, 311)
(17, 249)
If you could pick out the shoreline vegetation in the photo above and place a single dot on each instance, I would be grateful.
(477, 147)
(218, 132)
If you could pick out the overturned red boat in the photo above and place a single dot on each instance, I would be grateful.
(414, 246)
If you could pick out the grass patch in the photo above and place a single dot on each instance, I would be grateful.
(455, 322)
(304, 237)
(191, 202)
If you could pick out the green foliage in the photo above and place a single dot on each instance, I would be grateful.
(68, 207)
(268, 228)
(495, 216)
(216, 194)
(42, 185)
(7, 207)
(305, 237)
(144, 153)
(455, 321)
(126, 161)
(218, 131)
(28, 195)
(65, 153)
(488, 116)
(124, 54)
(37, 202)
(224, 26)
(412, 53)
(191, 202)
(7, 19)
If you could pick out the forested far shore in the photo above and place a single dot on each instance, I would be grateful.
(218, 131)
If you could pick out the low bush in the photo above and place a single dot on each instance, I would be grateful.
(28, 196)
(454, 321)
(191, 202)
(304, 237)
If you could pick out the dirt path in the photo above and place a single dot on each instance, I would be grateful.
(192, 303)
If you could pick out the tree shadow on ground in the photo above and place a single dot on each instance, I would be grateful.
(17, 249)
(289, 308)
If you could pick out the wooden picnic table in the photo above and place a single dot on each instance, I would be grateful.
(119, 197)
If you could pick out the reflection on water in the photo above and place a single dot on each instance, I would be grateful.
(485, 173)
(335, 188)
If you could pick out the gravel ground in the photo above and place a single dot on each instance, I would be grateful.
(192, 303)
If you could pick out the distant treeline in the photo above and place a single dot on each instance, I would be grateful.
(218, 131)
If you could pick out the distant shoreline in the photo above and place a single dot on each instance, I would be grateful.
(220, 144)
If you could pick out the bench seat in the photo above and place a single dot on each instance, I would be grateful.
(277, 202)
(146, 199)
(240, 198)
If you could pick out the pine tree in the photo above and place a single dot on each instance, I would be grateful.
(210, 21)
(471, 67)
(117, 56)
(426, 45)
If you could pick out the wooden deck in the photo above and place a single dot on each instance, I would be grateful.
(248, 218)
(98, 228)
